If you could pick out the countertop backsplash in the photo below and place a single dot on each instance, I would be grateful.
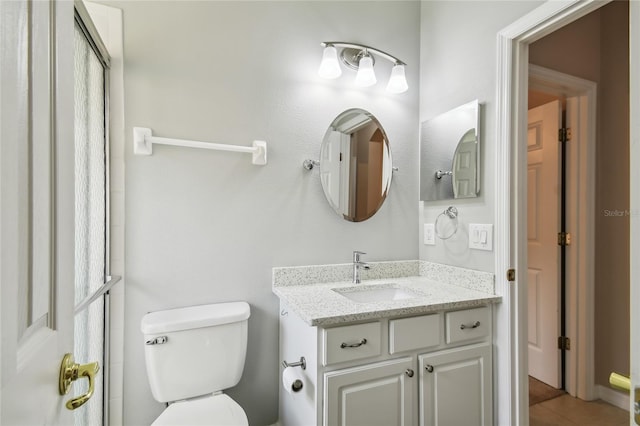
(445, 274)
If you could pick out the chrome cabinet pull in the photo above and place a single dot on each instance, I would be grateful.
(354, 345)
(429, 368)
(474, 325)
(409, 372)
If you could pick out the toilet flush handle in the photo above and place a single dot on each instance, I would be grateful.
(157, 341)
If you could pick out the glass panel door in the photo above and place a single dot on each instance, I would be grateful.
(91, 218)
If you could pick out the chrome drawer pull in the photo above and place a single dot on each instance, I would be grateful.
(409, 372)
(429, 368)
(354, 345)
(474, 325)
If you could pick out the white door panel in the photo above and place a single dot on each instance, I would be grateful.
(37, 197)
(464, 166)
(330, 170)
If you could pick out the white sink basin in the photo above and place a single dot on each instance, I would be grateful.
(375, 293)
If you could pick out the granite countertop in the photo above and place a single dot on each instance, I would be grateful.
(319, 305)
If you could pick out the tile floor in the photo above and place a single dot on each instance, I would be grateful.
(567, 410)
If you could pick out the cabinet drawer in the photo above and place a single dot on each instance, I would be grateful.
(408, 334)
(351, 342)
(467, 325)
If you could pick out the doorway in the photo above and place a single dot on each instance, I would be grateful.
(513, 48)
(592, 189)
(573, 212)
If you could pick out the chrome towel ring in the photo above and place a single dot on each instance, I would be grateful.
(447, 229)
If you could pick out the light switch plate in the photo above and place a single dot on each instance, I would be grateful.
(481, 236)
(429, 234)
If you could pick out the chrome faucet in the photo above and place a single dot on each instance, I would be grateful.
(357, 265)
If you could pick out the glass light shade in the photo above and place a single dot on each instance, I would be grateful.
(329, 67)
(397, 81)
(365, 77)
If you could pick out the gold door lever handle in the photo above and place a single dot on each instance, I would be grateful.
(70, 371)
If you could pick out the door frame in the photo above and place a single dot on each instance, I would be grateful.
(511, 189)
(634, 202)
(580, 221)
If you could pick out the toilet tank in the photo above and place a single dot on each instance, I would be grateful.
(196, 350)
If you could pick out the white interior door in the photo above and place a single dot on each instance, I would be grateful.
(464, 166)
(37, 216)
(330, 170)
(543, 210)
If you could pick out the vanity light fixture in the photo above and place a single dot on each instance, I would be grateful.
(329, 67)
(359, 57)
(366, 76)
(397, 81)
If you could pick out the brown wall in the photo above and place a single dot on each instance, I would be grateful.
(369, 170)
(596, 48)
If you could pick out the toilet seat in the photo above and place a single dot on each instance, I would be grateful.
(215, 410)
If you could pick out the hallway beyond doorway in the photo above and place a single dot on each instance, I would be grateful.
(540, 391)
(567, 411)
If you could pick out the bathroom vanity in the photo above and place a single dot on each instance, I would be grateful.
(424, 358)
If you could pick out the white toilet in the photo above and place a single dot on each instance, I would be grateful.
(192, 354)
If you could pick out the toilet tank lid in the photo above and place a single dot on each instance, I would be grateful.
(194, 317)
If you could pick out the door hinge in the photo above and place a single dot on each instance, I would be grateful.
(564, 134)
(564, 343)
(511, 274)
(564, 238)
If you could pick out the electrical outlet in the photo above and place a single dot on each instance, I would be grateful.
(429, 234)
(481, 236)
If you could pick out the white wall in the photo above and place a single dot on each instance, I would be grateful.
(458, 64)
(205, 226)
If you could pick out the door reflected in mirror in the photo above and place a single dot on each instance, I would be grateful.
(355, 165)
(450, 154)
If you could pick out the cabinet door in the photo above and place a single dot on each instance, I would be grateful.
(374, 394)
(455, 387)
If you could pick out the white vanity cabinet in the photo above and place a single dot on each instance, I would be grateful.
(427, 369)
(378, 394)
(455, 386)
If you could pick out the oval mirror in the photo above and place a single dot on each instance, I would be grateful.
(355, 165)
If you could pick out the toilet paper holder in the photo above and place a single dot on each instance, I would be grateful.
(302, 363)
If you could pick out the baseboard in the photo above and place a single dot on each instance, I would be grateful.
(619, 399)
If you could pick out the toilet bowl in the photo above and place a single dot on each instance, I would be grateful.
(192, 354)
(215, 410)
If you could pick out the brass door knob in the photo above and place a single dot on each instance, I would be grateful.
(70, 371)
